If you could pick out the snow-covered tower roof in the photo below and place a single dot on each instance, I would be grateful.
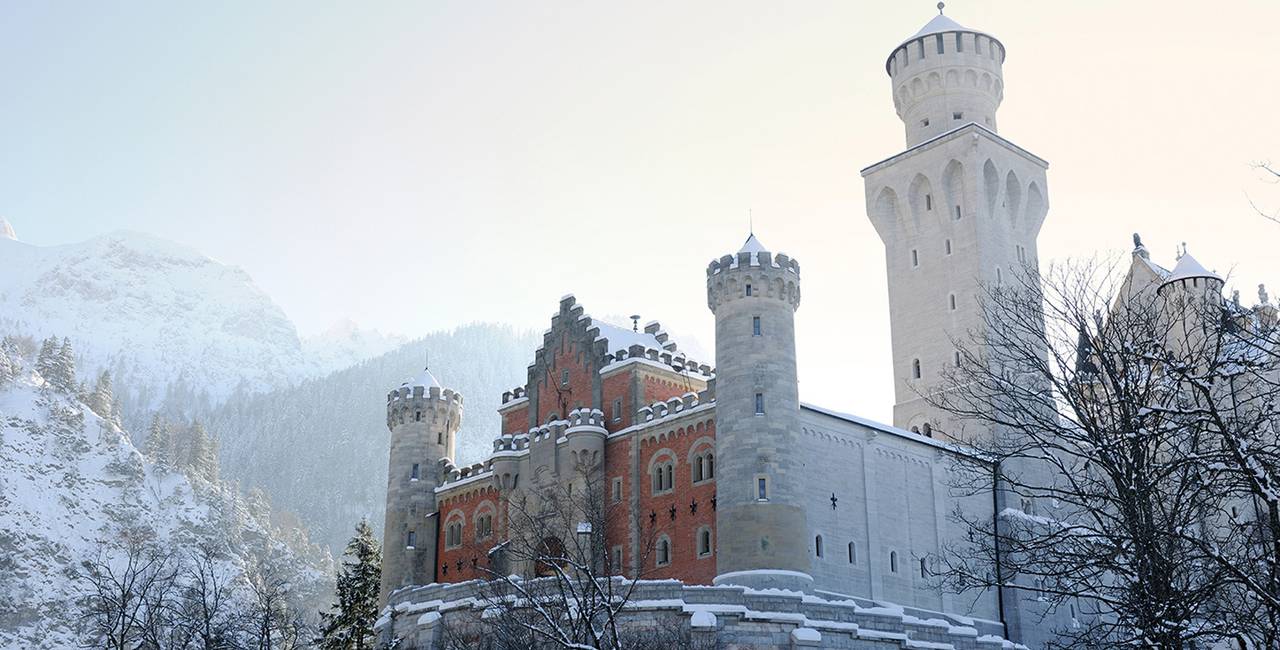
(6, 230)
(424, 379)
(1188, 268)
(944, 76)
(752, 245)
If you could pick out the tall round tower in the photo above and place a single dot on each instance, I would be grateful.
(424, 420)
(945, 76)
(761, 542)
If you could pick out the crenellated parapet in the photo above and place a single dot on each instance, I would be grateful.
(674, 406)
(423, 404)
(756, 274)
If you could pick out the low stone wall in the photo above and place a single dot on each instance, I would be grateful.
(727, 617)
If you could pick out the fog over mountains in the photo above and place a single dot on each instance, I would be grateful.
(192, 338)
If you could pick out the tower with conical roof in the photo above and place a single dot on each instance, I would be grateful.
(423, 418)
(958, 210)
(759, 509)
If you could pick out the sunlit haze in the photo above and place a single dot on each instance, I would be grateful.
(415, 166)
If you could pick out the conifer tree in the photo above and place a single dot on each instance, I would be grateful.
(349, 623)
(7, 371)
(102, 401)
(202, 459)
(159, 445)
(47, 360)
(66, 366)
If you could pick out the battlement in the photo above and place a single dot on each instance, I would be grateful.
(585, 419)
(417, 403)
(674, 406)
(753, 275)
(760, 260)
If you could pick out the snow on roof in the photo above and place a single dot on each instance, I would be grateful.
(940, 23)
(753, 245)
(6, 230)
(424, 379)
(622, 338)
(1187, 268)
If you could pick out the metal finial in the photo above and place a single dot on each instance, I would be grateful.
(940, 6)
(426, 356)
(751, 222)
(635, 322)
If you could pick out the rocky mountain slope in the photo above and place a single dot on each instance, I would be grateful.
(73, 486)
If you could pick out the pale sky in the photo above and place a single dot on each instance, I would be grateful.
(419, 165)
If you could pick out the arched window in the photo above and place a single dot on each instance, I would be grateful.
(710, 468)
(915, 368)
(853, 553)
(817, 545)
(951, 300)
(484, 526)
(927, 429)
(924, 569)
(662, 552)
(704, 542)
(703, 465)
(663, 472)
(697, 469)
(893, 561)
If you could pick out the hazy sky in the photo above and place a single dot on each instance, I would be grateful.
(419, 165)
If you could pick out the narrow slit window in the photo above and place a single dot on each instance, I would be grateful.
(417, 416)
(951, 300)
(948, 247)
(413, 473)
(564, 377)
(817, 545)
(977, 44)
(411, 540)
(915, 368)
(959, 42)
(957, 211)
(853, 553)
(748, 289)
(924, 122)
(755, 326)
(762, 489)
(617, 410)
(940, 47)
(915, 257)
(957, 358)
(893, 561)
(759, 403)
(928, 198)
(924, 569)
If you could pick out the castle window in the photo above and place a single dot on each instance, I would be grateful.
(915, 368)
(759, 403)
(893, 561)
(704, 542)
(617, 410)
(951, 299)
(915, 258)
(928, 198)
(853, 553)
(959, 42)
(817, 545)
(663, 554)
(411, 540)
(920, 44)
(439, 437)
(915, 429)
(924, 122)
(417, 416)
(748, 289)
(927, 429)
(617, 489)
(413, 473)
(939, 39)
(924, 569)
(755, 326)
(977, 44)
(957, 215)
(762, 488)
(615, 556)
(663, 476)
(957, 116)
(948, 246)
(564, 377)
(957, 358)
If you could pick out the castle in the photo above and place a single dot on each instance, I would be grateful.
(747, 487)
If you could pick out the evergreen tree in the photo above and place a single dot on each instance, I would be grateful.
(202, 453)
(66, 366)
(102, 401)
(349, 623)
(47, 360)
(159, 446)
(7, 370)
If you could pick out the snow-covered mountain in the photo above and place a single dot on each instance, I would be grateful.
(160, 315)
(73, 485)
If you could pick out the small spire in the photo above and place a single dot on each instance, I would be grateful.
(635, 322)
(426, 356)
(751, 222)
(941, 5)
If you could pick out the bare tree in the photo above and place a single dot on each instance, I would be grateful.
(1271, 174)
(1105, 460)
(552, 583)
(271, 622)
(125, 596)
(207, 607)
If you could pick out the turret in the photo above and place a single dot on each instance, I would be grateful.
(945, 76)
(754, 296)
(423, 419)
